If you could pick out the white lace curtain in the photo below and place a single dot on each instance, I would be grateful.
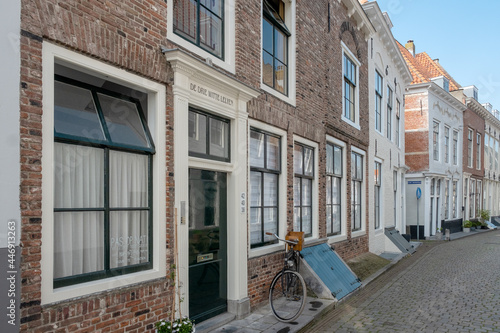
(79, 235)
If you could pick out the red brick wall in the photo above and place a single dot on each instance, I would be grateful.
(417, 132)
(126, 35)
(318, 112)
(476, 123)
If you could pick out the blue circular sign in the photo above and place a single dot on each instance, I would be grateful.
(419, 192)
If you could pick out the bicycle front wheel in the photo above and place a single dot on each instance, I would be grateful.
(287, 295)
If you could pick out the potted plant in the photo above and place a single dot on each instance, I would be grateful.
(184, 325)
(467, 226)
(439, 233)
(484, 216)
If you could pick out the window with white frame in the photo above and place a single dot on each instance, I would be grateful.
(275, 36)
(447, 144)
(350, 107)
(398, 122)
(208, 136)
(334, 175)
(465, 195)
(377, 194)
(265, 168)
(202, 23)
(455, 198)
(356, 190)
(303, 165)
(478, 151)
(455, 147)
(447, 198)
(104, 179)
(472, 196)
(389, 113)
(378, 101)
(496, 155)
(435, 141)
(487, 159)
(479, 192)
(470, 138)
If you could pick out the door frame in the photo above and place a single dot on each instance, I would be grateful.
(189, 76)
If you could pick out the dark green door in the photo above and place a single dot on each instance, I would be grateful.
(207, 244)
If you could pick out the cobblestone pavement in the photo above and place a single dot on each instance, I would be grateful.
(444, 287)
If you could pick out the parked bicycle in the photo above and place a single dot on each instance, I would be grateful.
(287, 294)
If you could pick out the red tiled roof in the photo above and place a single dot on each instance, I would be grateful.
(423, 68)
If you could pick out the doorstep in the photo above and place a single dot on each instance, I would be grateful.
(262, 320)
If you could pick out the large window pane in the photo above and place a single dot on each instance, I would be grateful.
(129, 243)
(255, 225)
(257, 149)
(255, 189)
(273, 153)
(75, 113)
(329, 159)
(337, 160)
(267, 69)
(185, 19)
(267, 35)
(198, 135)
(280, 44)
(219, 138)
(270, 189)
(123, 121)
(78, 176)
(211, 32)
(128, 180)
(78, 243)
(308, 162)
(298, 162)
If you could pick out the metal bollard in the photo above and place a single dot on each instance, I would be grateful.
(447, 234)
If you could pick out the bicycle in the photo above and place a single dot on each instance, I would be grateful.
(287, 293)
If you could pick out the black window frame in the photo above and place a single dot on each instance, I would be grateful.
(278, 25)
(262, 171)
(107, 146)
(197, 42)
(208, 132)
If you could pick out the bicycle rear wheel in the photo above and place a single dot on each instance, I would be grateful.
(287, 295)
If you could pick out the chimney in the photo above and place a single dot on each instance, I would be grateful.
(410, 46)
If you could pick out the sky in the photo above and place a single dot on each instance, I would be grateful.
(463, 34)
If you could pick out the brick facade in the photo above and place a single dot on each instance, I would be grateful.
(128, 35)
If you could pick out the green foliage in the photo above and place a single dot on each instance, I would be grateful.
(467, 224)
(184, 325)
(484, 214)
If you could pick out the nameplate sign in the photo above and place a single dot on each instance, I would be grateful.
(211, 94)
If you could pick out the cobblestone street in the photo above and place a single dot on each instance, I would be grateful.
(444, 287)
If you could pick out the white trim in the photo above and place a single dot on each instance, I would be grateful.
(290, 21)
(381, 195)
(343, 183)
(229, 62)
(282, 190)
(345, 50)
(156, 118)
(315, 198)
(361, 232)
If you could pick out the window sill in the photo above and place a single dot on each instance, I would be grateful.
(277, 94)
(350, 122)
(265, 250)
(336, 239)
(358, 233)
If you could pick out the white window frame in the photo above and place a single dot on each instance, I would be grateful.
(479, 139)
(455, 146)
(52, 54)
(381, 195)
(354, 59)
(315, 197)
(389, 112)
(361, 232)
(470, 148)
(229, 62)
(282, 189)
(377, 96)
(290, 22)
(343, 183)
(446, 144)
(435, 141)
